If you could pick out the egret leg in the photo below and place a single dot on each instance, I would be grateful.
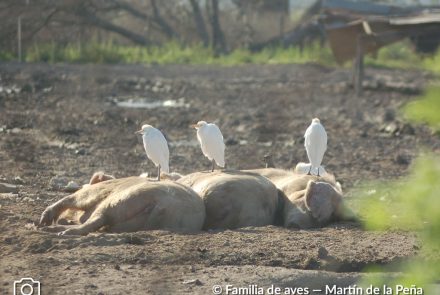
(318, 172)
(158, 173)
(213, 165)
(310, 170)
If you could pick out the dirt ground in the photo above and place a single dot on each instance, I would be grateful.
(69, 121)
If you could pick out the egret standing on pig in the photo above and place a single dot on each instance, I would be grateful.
(316, 144)
(156, 147)
(211, 142)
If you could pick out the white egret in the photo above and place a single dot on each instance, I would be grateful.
(211, 142)
(156, 147)
(316, 144)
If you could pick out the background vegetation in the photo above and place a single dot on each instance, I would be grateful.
(229, 32)
(399, 55)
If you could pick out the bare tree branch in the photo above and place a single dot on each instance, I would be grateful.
(132, 10)
(156, 19)
(92, 19)
(43, 25)
(161, 21)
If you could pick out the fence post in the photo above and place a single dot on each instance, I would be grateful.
(358, 69)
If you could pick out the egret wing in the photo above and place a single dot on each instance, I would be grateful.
(315, 141)
(156, 147)
(212, 144)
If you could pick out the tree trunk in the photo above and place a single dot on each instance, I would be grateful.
(200, 23)
(218, 39)
(284, 15)
(358, 68)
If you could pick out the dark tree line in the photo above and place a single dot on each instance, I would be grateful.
(144, 22)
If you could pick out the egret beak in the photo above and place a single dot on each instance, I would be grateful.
(138, 132)
(194, 126)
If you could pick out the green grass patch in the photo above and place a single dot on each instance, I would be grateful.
(6, 56)
(398, 55)
(426, 109)
(172, 53)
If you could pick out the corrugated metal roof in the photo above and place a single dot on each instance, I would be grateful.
(376, 25)
(364, 7)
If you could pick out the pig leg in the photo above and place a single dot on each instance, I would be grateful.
(95, 222)
(78, 200)
(55, 228)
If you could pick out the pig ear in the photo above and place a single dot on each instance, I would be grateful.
(320, 200)
(96, 177)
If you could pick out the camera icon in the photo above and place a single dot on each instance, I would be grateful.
(27, 286)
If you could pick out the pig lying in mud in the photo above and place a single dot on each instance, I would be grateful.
(202, 200)
(309, 201)
(125, 205)
(235, 199)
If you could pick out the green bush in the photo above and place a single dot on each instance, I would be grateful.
(426, 110)
(397, 55)
(413, 203)
(6, 56)
(401, 55)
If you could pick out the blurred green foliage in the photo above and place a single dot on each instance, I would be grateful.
(6, 56)
(413, 203)
(426, 110)
(401, 55)
(172, 53)
(398, 55)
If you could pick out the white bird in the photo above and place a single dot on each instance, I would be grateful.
(211, 142)
(316, 144)
(156, 147)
